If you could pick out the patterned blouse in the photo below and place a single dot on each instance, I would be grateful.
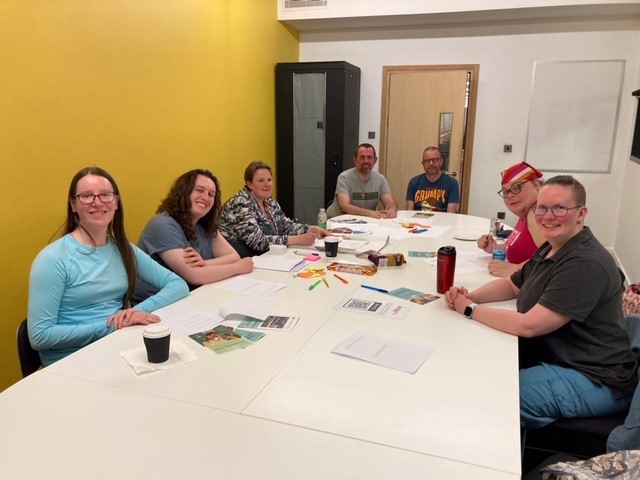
(243, 221)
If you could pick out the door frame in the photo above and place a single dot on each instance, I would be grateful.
(467, 147)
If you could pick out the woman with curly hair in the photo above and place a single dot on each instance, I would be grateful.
(183, 235)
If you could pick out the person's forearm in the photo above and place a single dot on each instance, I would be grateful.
(495, 291)
(392, 205)
(507, 321)
(354, 210)
(212, 273)
(223, 260)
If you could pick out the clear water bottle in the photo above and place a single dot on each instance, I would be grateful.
(322, 219)
(496, 224)
(500, 247)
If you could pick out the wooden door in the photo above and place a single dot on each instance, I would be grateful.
(413, 99)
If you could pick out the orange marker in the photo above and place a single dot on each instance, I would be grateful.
(340, 278)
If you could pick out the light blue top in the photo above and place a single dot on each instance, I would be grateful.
(75, 288)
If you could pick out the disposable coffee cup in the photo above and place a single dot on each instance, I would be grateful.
(331, 246)
(157, 339)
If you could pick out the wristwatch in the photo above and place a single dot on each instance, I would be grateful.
(468, 311)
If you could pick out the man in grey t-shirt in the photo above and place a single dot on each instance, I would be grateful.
(360, 189)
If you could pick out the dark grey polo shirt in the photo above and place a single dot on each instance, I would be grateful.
(582, 282)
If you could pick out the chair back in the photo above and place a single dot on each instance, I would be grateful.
(29, 358)
(627, 436)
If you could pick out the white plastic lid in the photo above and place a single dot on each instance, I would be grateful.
(157, 330)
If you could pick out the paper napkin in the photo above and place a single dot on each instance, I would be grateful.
(179, 353)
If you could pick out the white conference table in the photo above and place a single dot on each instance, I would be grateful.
(286, 407)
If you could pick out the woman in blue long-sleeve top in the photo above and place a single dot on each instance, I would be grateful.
(81, 285)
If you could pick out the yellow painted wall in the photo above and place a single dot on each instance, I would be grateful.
(146, 89)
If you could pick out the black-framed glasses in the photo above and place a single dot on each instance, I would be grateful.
(516, 188)
(431, 160)
(89, 198)
(557, 210)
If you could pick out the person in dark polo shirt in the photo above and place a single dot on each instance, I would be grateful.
(575, 353)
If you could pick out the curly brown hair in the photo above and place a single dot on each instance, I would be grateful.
(177, 203)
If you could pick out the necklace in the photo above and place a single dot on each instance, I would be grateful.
(364, 188)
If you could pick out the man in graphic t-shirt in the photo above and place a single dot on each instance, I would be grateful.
(434, 190)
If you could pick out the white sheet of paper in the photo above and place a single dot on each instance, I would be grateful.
(377, 243)
(250, 286)
(280, 264)
(186, 319)
(385, 352)
(241, 306)
(374, 307)
(392, 233)
(467, 262)
(344, 244)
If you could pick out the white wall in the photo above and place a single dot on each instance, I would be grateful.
(506, 56)
(371, 8)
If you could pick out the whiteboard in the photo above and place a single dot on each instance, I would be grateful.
(573, 115)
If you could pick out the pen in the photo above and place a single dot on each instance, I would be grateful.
(340, 278)
(324, 280)
(303, 253)
(311, 287)
(369, 287)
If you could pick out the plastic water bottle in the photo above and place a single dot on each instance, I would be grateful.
(500, 247)
(322, 219)
(496, 224)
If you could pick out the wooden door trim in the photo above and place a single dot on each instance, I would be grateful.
(387, 71)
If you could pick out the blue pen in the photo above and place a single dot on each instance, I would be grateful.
(369, 287)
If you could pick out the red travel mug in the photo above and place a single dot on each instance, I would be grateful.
(446, 268)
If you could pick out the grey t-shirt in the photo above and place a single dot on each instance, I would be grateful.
(362, 194)
(164, 233)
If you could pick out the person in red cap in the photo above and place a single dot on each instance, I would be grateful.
(520, 185)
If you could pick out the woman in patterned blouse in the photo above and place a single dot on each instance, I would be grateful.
(252, 220)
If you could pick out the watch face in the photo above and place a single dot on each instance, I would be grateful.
(468, 311)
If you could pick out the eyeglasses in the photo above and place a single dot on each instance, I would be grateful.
(431, 160)
(557, 210)
(89, 198)
(516, 188)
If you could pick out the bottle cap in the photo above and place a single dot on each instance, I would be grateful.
(501, 215)
(448, 250)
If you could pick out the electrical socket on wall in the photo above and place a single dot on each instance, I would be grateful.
(507, 148)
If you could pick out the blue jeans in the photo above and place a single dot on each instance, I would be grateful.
(549, 392)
